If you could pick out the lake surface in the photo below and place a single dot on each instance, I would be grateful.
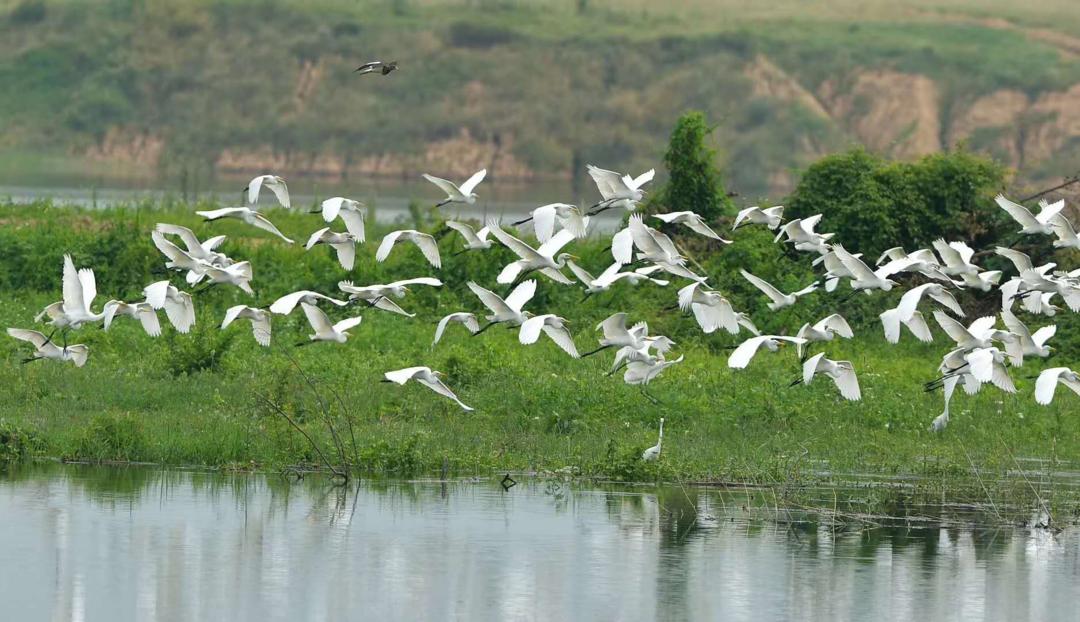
(100, 543)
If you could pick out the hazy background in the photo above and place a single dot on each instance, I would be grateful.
(187, 94)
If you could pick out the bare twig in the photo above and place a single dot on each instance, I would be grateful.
(301, 430)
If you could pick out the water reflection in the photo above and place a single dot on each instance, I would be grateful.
(85, 543)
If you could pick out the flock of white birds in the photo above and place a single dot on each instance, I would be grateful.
(983, 351)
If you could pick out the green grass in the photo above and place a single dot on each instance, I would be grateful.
(142, 399)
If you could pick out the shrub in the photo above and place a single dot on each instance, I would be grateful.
(111, 437)
(694, 182)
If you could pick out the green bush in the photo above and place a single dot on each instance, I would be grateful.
(694, 182)
(111, 437)
(16, 443)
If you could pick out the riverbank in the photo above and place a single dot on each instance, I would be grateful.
(210, 398)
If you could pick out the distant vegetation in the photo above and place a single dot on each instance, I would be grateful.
(194, 88)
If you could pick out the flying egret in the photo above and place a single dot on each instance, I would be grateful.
(46, 349)
(616, 335)
(865, 279)
(693, 222)
(506, 311)
(351, 213)
(742, 355)
(654, 247)
(956, 257)
(916, 323)
(612, 275)
(428, 378)
(974, 367)
(778, 298)
(142, 311)
(427, 245)
(344, 244)
(710, 308)
(824, 329)
(983, 281)
(618, 190)
(79, 290)
(455, 193)
(274, 183)
(260, 321)
(909, 302)
(1031, 344)
(1066, 287)
(629, 354)
(554, 327)
(923, 261)
(474, 240)
(324, 330)
(1047, 383)
(800, 232)
(1065, 233)
(247, 215)
(545, 217)
(179, 259)
(1031, 224)
(178, 305)
(288, 302)
(204, 250)
(1021, 261)
(238, 274)
(541, 259)
(841, 372)
(378, 296)
(978, 334)
(653, 453)
(641, 373)
(770, 217)
(468, 320)
(376, 66)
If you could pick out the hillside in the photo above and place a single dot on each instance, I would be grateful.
(530, 90)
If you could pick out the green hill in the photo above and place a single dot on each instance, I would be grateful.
(530, 89)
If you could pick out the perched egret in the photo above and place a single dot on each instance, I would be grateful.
(344, 244)
(260, 321)
(427, 377)
(455, 193)
(46, 349)
(427, 245)
(324, 330)
(274, 183)
(770, 217)
(247, 215)
(351, 213)
(778, 298)
(653, 453)
(468, 320)
(178, 305)
(376, 66)
(554, 327)
(288, 302)
(693, 222)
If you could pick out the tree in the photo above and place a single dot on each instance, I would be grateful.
(694, 183)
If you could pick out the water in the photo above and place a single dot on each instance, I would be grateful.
(98, 543)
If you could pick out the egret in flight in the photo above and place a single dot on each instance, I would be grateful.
(288, 302)
(351, 213)
(274, 183)
(770, 217)
(841, 372)
(1031, 224)
(260, 321)
(142, 311)
(554, 327)
(618, 190)
(428, 378)
(779, 299)
(425, 242)
(455, 193)
(693, 222)
(1047, 382)
(46, 349)
(247, 215)
(344, 244)
(324, 330)
(179, 307)
(506, 311)
(468, 320)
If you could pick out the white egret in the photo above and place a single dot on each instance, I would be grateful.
(344, 244)
(506, 311)
(770, 217)
(351, 213)
(1066, 234)
(455, 193)
(909, 302)
(641, 373)
(654, 247)
(1021, 261)
(865, 279)
(238, 274)
(1031, 344)
(612, 275)
(554, 327)
(742, 355)
(274, 183)
(44, 348)
(378, 296)
(376, 66)
(1031, 224)
(841, 372)
(141, 311)
(824, 329)
(916, 323)
(204, 250)
(618, 190)
(956, 257)
(653, 453)
(178, 305)
(801, 233)
(474, 240)
(324, 330)
(427, 245)
(468, 320)
(260, 321)
(542, 259)
(1047, 383)
(247, 215)
(923, 261)
(616, 335)
(779, 299)
(978, 334)
(288, 302)
(79, 290)
(710, 308)
(983, 281)
(426, 377)
(545, 217)
(179, 259)
(693, 222)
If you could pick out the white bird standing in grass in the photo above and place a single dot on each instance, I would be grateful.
(426, 243)
(474, 240)
(260, 321)
(693, 222)
(344, 244)
(779, 299)
(178, 305)
(46, 349)
(742, 355)
(288, 302)
(618, 190)
(770, 217)
(1031, 224)
(378, 296)
(541, 259)
(324, 330)
(351, 213)
(653, 453)
(841, 372)
(554, 327)
(274, 183)
(506, 311)
(468, 320)
(455, 193)
(1047, 383)
(142, 311)
(824, 330)
(79, 291)
(247, 215)
(426, 377)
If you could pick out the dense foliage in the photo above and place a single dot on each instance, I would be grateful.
(694, 181)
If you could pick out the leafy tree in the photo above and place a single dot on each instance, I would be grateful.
(694, 183)
(873, 204)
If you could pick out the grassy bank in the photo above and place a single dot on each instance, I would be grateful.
(200, 398)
